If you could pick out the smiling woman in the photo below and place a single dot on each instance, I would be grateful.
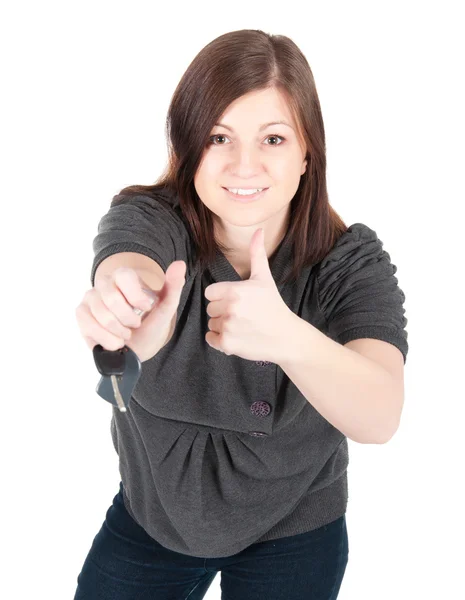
(234, 447)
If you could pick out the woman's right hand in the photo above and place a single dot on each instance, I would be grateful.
(106, 314)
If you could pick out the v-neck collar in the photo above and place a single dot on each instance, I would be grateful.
(280, 264)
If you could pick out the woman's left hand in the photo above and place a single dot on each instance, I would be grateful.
(249, 318)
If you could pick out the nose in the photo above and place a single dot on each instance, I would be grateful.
(247, 161)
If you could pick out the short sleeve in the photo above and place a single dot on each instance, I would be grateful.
(139, 223)
(358, 292)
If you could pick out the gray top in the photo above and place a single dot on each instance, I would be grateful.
(217, 452)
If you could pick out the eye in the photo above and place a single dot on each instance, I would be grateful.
(272, 135)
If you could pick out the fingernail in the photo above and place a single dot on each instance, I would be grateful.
(152, 296)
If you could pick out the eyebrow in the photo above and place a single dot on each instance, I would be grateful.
(261, 128)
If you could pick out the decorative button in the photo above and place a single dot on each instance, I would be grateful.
(262, 363)
(260, 408)
(257, 433)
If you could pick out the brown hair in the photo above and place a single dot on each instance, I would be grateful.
(230, 66)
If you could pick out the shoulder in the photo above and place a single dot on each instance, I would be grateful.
(149, 222)
(160, 206)
(358, 261)
(161, 197)
(358, 241)
(358, 292)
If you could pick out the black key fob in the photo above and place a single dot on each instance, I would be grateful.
(124, 365)
(109, 362)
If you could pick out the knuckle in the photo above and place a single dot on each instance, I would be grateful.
(87, 296)
(229, 321)
(82, 314)
(123, 274)
(109, 321)
(110, 299)
(136, 320)
(118, 308)
(225, 344)
(233, 309)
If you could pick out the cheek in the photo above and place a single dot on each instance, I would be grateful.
(285, 169)
(209, 176)
(208, 188)
(202, 179)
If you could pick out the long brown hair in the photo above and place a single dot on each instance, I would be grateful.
(230, 66)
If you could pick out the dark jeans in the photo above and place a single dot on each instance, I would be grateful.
(125, 563)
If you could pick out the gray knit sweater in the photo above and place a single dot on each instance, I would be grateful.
(217, 452)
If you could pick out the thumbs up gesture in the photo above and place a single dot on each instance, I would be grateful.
(249, 318)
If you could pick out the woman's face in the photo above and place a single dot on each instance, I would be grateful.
(250, 154)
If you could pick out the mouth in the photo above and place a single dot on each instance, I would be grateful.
(245, 198)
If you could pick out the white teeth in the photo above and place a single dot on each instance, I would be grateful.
(241, 192)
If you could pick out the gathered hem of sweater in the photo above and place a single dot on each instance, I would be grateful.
(314, 510)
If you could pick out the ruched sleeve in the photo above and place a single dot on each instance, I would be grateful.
(358, 292)
(139, 223)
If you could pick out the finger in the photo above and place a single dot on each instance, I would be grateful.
(106, 317)
(93, 333)
(131, 287)
(114, 294)
(217, 308)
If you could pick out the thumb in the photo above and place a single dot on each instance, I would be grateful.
(170, 293)
(176, 272)
(158, 323)
(259, 265)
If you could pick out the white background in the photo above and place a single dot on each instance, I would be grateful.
(86, 86)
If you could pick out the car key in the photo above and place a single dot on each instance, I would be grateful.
(120, 370)
(111, 364)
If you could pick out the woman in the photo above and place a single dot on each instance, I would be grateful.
(233, 451)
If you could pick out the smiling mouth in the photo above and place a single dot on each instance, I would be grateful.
(244, 198)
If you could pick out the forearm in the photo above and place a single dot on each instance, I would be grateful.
(352, 392)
